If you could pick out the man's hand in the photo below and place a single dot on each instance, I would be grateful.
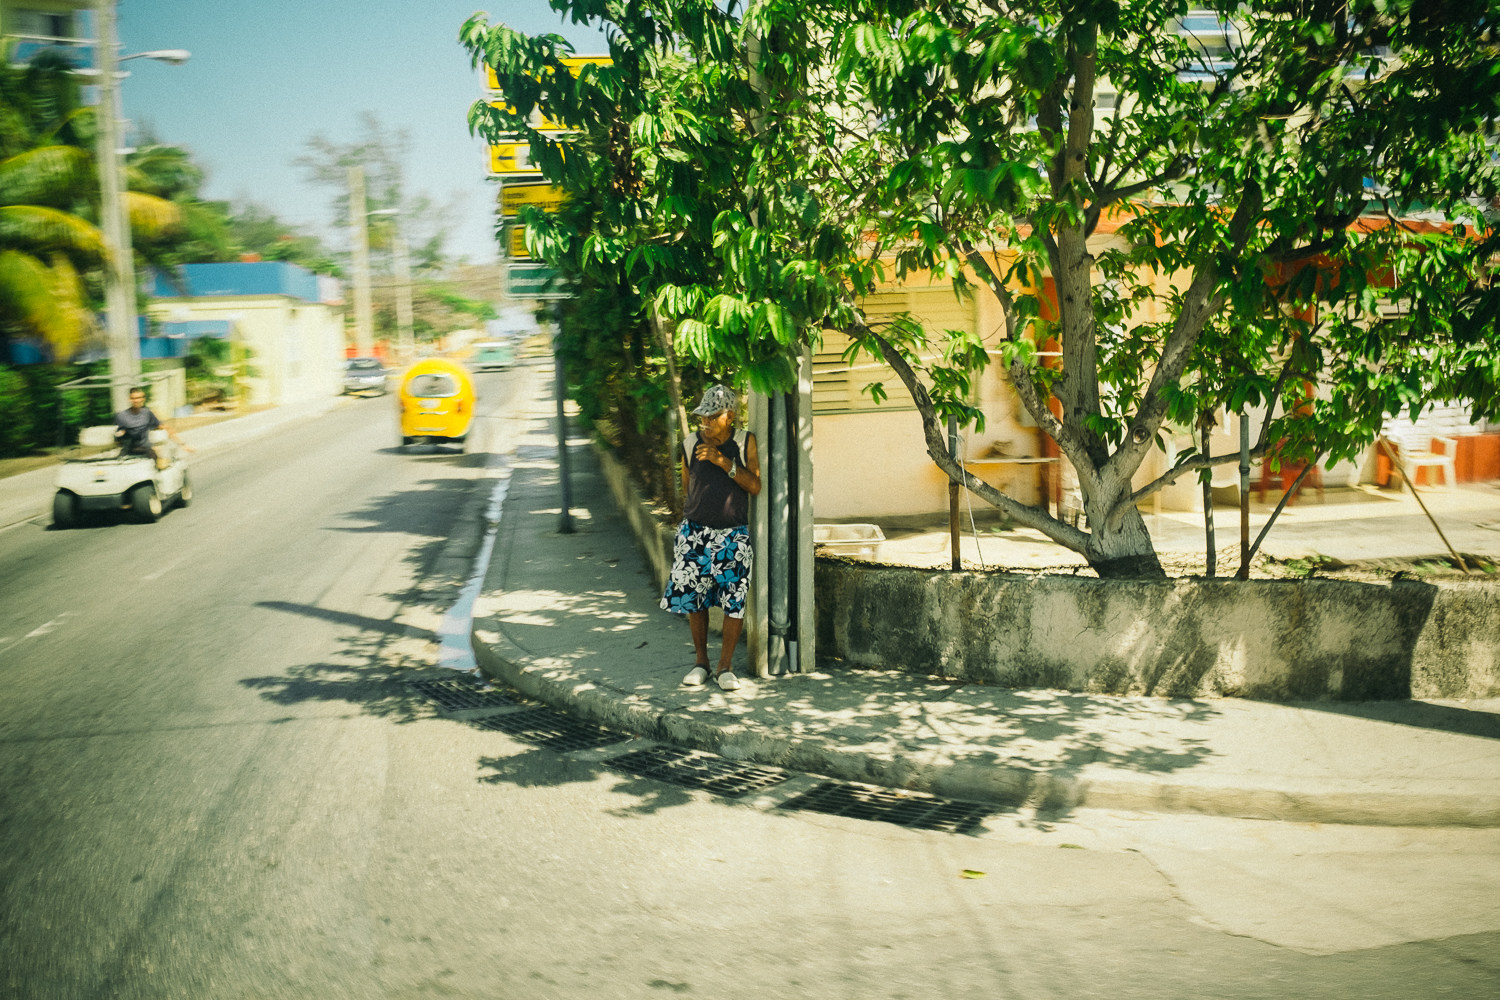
(710, 453)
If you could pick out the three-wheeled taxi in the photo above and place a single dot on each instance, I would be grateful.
(437, 402)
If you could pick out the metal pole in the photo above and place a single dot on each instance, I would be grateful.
(1208, 506)
(1244, 573)
(781, 551)
(953, 528)
(124, 345)
(560, 390)
(359, 252)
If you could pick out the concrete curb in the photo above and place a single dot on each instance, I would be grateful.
(1314, 802)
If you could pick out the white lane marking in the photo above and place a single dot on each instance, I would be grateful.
(165, 569)
(455, 632)
(46, 627)
(7, 643)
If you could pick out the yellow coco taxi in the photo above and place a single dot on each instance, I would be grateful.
(437, 402)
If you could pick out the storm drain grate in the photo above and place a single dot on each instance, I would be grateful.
(913, 809)
(545, 728)
(712, 774)
(457, 695)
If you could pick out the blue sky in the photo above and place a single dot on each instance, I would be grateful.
(267, 74)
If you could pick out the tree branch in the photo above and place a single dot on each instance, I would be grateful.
(937, 450)
(1189, 465)
(1199, 303)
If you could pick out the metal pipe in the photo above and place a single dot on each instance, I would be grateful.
(794, 582)
(560, 390)
(953, 524)
(1208, 506)
(1244, 573)
(778, 537)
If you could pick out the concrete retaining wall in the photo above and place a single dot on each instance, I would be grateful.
(1268, 639)
(653, 536)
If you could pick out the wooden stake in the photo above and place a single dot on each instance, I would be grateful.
(1398, 467)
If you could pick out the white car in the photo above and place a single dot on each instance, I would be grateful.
(112, 481)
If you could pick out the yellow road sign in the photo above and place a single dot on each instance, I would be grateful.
(544, 196)
(517, 241)
(539, 122)
(515, 157)
(574, 64)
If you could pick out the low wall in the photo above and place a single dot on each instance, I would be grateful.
(1269, 639)
(653, 536)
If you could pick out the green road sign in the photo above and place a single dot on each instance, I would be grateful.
(534, 281)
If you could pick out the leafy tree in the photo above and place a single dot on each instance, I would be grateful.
(1238, 228)
(49, 244)
(212, 231)
(382, 151)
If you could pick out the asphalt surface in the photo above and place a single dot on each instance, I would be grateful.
(213, 784)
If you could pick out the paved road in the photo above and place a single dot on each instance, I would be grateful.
(213, 785)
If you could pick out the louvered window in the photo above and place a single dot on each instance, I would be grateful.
(838, 385)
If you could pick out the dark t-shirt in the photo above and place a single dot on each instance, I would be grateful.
(714, 500)
(137, 428)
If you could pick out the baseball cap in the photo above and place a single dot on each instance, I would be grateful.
(716, 399)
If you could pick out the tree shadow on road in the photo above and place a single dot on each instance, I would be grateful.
(368, 673)
(536, 768)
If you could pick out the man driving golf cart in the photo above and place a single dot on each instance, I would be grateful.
(134, 430)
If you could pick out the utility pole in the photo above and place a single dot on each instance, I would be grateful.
(406, 346)
(359, 238)
(120, 290)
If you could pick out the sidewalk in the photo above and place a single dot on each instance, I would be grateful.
(29, 494)
(1353, 526)
(572, 620)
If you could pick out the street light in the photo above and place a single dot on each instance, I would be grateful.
(124, 345)
(173, 57)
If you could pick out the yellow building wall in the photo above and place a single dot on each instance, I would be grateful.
(297, 348)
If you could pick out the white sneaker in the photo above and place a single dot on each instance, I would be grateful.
(728, 681)
(696, 676)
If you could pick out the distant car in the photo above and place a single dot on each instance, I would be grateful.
(492, 355)
(364, 375)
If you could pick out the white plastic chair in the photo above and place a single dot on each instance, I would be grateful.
(1412, 460)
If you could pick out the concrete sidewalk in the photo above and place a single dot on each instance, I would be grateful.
(29, 494)
(573, 621)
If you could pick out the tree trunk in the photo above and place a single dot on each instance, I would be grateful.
(1120, 546)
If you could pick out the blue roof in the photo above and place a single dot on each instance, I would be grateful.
(266, 277)
(194, 328)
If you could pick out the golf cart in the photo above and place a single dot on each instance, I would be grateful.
(100, 478)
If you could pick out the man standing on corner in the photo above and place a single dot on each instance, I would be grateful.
(711, 556)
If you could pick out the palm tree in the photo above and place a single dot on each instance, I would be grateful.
(51, 253)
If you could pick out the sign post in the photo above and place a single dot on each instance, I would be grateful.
(521, 185)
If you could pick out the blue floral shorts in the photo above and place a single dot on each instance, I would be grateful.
(710, 568)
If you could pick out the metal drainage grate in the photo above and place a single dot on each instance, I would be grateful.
(457, 695)
(713, 774)
(913, 809)
(545, 728)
